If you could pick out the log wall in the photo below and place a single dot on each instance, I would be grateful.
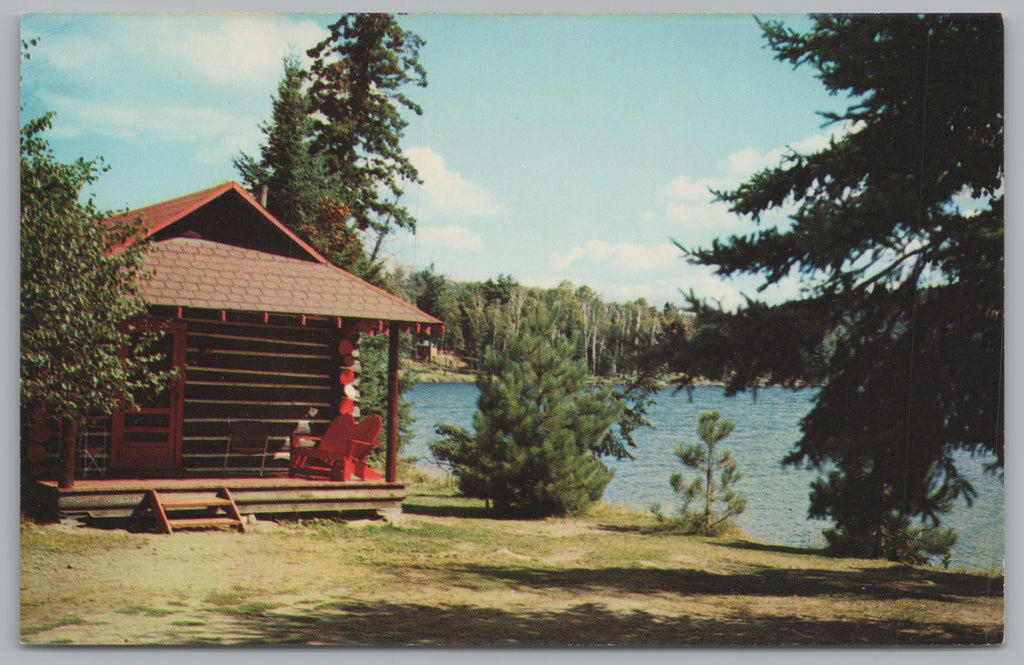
(244, 367)
(255, 372)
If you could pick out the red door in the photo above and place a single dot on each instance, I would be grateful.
(149, 439)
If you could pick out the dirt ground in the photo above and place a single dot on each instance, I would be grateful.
(442, 581)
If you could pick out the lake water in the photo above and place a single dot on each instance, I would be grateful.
(766, 428)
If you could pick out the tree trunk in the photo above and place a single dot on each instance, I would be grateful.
(707, 488)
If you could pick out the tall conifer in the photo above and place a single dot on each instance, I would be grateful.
(536, 429)
(897, 235)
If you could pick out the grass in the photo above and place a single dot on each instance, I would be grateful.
(250, 609)
(42, 540)
(147, 611)
(452, 575)
(50, 625)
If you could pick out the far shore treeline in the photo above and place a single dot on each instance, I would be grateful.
(613, 338)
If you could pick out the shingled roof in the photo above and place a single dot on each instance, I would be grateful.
(220, 249)
(185, 272)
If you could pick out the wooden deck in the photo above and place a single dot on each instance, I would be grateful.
(275, 495)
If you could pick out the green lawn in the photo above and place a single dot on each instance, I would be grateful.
(450, 575)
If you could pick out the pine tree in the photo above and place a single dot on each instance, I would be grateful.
(898, 236)
(373, 388)
(711, 489)
(536, 428)
(357, 78)
(299, 190)
(285, 167)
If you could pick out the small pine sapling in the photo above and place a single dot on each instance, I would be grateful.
(715, 489)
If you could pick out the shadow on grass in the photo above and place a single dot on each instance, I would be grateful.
(414, 507)
(621, 528)
(781, 549)
(881, 584)
(385, 623)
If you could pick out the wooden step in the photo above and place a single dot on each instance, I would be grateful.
(199, 522)
(172, 503)
(164, 507)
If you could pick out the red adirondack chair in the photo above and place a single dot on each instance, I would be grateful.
(341, 451)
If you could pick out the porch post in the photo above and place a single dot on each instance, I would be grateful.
(391, 472)
(68, 453)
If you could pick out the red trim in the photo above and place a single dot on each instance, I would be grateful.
(206, 197)
(166, 213)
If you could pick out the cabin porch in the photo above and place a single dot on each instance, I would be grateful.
(267, 495)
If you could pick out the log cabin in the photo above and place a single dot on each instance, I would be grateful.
(262, 329)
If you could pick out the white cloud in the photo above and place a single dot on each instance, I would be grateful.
(621, 255)
(689, 201)
(233, 50)
(542, 281)
(204, 79)
(667, 284)
(684, 188)
(746, 162)
(221, 50)
(711, 216)
(218, 133)
(454, 236)
(449, 193)
(562, 261)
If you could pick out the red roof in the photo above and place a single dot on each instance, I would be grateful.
(193, 272)
(161, 215)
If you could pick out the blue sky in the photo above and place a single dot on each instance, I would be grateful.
(551, 147)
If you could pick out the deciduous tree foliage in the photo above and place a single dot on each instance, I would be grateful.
(537, 428)
(897, 235)
(75, 293)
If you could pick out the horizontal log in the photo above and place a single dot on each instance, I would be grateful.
(345, 494)
(262, 412)
(259, 354)
(271, 364)
(201, 370)
(228, 393)
(199, 319)
(224, 336)
(250, 386)
(254, 402)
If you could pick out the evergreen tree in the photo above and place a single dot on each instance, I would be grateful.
(299, 190)
(898, 236)
(357, 79)
(373, 388)
(76, 292)
(714, 491)
(536, 428)
(285, 167)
